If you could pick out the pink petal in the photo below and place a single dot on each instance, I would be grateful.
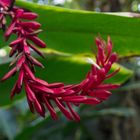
(42, 82)
(6, 2)
(101, 94)
(20, 78)
(63, 109)
(55, 85)
(15, 42)
(9, 74)
(31, 24)
(35, 62)
(30, 93)
(76, 116)
(9, 30)
(74, 99)
(101, 55)
(109, 48)
(30, 105)
(37, 41)
(43, 89)
(36, 50)
(26, 47)
(39, 108)
(91, 101)
(107, 67)
(19, 12)
(29, 72)
(20, 63)
(51, 109)
(29, 15)
(113, 58)
(108, 86)
(13, 91)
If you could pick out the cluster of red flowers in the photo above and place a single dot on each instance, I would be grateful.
(40, 94)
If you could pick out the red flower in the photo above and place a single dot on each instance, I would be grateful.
(41, 94)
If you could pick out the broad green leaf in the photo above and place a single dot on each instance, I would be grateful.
(73, 31)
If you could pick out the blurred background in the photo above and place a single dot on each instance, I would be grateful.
(116, 119)
(95, 5)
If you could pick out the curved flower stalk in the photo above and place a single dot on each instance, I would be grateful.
(40, 94)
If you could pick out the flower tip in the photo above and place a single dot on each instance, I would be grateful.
(97, 41)
(113, 57)
(109, 39)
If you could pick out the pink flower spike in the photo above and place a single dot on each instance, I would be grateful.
(40, 93)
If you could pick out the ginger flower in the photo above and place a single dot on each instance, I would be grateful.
(41, 95)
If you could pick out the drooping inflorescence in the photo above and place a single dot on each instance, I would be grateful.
(40, 94)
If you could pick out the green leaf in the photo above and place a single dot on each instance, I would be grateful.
(73, 31)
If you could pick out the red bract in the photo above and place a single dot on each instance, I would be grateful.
(6, 3)
(5, 7)
(40, 94)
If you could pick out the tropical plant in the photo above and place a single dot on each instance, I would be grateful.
(69, 35)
